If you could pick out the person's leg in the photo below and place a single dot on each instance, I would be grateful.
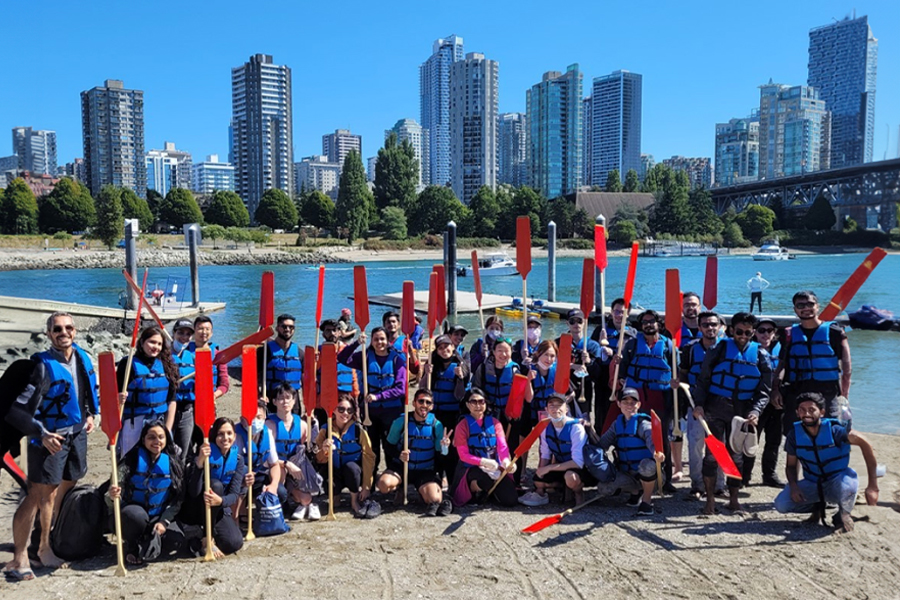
(183, 428)
(173, 538)
(717, 427)
(431, 493)
(134, 522)
(784, 503)
(841, 490)
(227, 534)
(737, 457)
(130, 434)
(696, 445)
(351, 476)
(771, 428)
(388, 482)
(23, 523)
(574, 483)
(505, 492)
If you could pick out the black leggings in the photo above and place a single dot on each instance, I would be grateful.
(505, 494)
(226, 532)
(138, 525)
(378, 431)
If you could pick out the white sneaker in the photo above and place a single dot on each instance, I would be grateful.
(312, 512)
(299, 513)
(534, 499)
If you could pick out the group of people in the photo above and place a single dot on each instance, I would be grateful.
(736, 381)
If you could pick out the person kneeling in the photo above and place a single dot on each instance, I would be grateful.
(427, 438)
(266, 469)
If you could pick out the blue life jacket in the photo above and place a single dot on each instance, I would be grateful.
(821, 458)
(496, 387)
(687, 336)
(148, 390)
(260, 452)
(184, 394)
(612, 337)
(543, 389)
(630, 447)
(381, 378)
(286, 441)
(775, 354)
(560, 443)
(737, 375)
(812, 359)
(283, 365)
(421, 443)
(344, 376)
(696, 353)
(347, 448)
(443, 384)
(649, 366)
(482, 440)
(151, 482)
(59, 408)
(222, 467)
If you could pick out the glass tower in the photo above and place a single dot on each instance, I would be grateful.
(434, 105)
(616, 125)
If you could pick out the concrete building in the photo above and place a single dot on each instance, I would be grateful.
(699, 170)
(794, 131)
(74, 170)
(737, 151)
(647, 163)
(474, 99)
(587, 120)
(318, 173)
(337, 145)
(616, 125)
(554, 132)
(262, 129)
(843, 59)
(434, 105)
(168, 168)
(512, 160)
(36, 150)
(9, 168)
(370, 168)
(417, 136)
(211, 175)
(112, 125)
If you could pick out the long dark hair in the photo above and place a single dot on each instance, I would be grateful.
(165, 355)
(176, 468)
(217, 425)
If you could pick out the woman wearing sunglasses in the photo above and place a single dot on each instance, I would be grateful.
(770, 419)
(352, 456)
(449, 380)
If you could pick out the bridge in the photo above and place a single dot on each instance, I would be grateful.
(868, 192)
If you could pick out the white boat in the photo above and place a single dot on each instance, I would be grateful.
(491, 265)
(673, 248)
(771, 251)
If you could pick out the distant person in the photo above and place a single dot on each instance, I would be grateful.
(345, 330)
(756, 285)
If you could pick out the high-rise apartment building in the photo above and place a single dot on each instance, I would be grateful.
(112, 125)
(262, 129)
(794, 131)
(474, 98)
(168, 168)
(36, 150)
(337, 145)
(554, 132)
(434, 105)
(512, 131)
(587, 120)
(647, 163)
(699, 170)
(417, 136)
(616, 125)
(737, 151)
(843, 57)
(74, 170)
(370, 167)
(211, 176)
(318, 173)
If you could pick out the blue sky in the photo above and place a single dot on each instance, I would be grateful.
(355, 64)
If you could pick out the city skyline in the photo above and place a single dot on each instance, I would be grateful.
(680, 109)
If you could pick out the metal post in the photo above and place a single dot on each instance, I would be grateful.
(131, 233)
(450, 268)
(551, 262)
(600, 279)
(194, 248)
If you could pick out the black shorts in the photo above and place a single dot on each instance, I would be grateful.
(69, 464)
(554, 477)
(417, 478)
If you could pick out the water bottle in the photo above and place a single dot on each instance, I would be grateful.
(845, 415)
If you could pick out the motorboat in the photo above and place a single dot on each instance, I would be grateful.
(673, 248)
(491, 265)
(771, 251)
(872, 317)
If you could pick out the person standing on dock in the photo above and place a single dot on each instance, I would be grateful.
(756, 285)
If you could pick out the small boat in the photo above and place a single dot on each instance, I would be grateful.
(872, 317)
(673, 248)
(771, 251)
(491, 265)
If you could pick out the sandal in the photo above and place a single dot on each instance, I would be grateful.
(133, 559)
(17, 575)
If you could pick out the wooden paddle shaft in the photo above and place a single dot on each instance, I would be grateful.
(250, 535)
(676, 426)
(330, 515)
(525, 317)
(621, 346)
(365, 370)
(406, 445)
(206, 486)
(117, 513)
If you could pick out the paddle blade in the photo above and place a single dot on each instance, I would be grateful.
(110, 421)
(432, 302)
(543, 523)
(476, 276)
(632, 270)
(309, 379)
(656, 425)
(249, 383)
(516, 396)
(328, 378)
(600, 258)
(523, 246)
(711, 283)
(408, 308)
(846, 292)
(204, 404)
(563, 364)
(587, 287)
(233, 351)
(722, 456)
(532, 437)
(321, 295)
(361, 296)
(267, 301)
(442, 294)
(673, 305)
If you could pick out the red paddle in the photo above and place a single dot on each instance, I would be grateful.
(600, 258)
(204, 416)
(233, 351)
(587, 287)
(134, 337)
(720, 453)
(361, 304)
(516, 399)
(656, 431)
(629, 282)
(476, 278)
(432, 302)
(441, 294)
(629, 290)
(329, 400)
(267, 300)
(711, 283)
(846, 292)
(319, 301)
(111, 424)
(554, 519)
(523, 266)
(309, 380)
(407, 326)
(563, 364)
(249, 406)
(673, 306)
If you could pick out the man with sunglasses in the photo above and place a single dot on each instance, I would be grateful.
(586, 363)
(284, 361)
(56, 411)
(735, 380)
(770, 421)
(815, 357)
(608, 338)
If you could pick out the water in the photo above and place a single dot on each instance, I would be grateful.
(875, 395)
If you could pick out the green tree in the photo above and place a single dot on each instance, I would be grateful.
(393, 221)
(613, 182)
(563, 213)
(20, 209)
(396, 175)
(276, 210)
(351, 211)
(820, 215)
(110, 217)
(583, 224)
(317, 210)
(485, 211)
(706, 221)
(525, 201)
(154, 201)
(756, 222)
(213, 232)
(671, 211)
(134, 207)
(732, 235)
(637, 216)
(435, 207)
(653, 178)
(624, 232)
(632, 181)
(179, 207)
(69, 207)
(236, 235)
(227, 209)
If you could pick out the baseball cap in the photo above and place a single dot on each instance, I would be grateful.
(441, 340)
(630, 393)
(345, 312)
(458, 328)
(575, 312)
(183, 324)
(533, 319)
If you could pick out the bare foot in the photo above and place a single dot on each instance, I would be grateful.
(814, 518)
(709, 509)
(735, 508)
(14, 565)
(846, 522)
(50, 560)
(216, 552)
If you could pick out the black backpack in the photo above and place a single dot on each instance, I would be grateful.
(82, 521)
